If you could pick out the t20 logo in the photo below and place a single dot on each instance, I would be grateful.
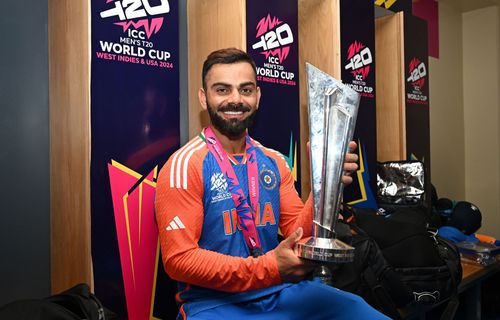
(418, 71)
(273, 38)
(127, 10)
(281, 36)
(359, 59)
(134, 9)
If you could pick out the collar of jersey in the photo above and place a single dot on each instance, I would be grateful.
(233, 158)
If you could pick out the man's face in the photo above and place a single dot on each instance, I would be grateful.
(231, 97)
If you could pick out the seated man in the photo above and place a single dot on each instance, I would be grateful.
(220, 201)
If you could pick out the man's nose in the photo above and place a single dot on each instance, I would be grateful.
(234, 97)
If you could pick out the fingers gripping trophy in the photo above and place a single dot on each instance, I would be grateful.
(333, 108)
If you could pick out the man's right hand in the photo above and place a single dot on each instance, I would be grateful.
(290, 266)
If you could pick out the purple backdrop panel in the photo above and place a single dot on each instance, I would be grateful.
(417, 92)
(272, 41)
(357, 36)
(135, 127)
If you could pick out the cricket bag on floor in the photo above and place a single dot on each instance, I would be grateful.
(398, 262)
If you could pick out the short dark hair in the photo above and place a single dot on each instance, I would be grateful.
(225, 56)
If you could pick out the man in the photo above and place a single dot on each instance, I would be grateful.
(220, 201)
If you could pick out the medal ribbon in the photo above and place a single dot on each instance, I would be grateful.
(245, 211)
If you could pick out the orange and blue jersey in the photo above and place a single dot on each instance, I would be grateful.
(202, 244)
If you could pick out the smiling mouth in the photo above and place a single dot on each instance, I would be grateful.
(233, 114)
(234, 111)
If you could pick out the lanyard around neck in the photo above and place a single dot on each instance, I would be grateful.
(245, 211)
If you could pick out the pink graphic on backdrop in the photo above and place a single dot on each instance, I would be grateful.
(133, 204)
(362, 71)
(281, 53)
(126, 10)
(414, 65)
(265, 25)
(150, 27)
(354, 48)
(355, 52)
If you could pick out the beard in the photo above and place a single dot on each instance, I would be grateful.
(232, 128)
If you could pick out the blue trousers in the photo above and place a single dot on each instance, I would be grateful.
(309, 300)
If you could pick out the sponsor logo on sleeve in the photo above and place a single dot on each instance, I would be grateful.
(175, 224)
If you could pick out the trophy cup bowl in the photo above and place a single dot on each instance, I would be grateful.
(333, 109)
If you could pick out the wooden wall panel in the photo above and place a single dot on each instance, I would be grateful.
(69, 65)
(390, 80)
(212, 25)
(319, 44)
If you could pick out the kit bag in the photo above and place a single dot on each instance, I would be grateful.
(399, 262)
(76, 303)
(369, 275)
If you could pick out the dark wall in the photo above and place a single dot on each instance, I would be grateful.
(24, 151)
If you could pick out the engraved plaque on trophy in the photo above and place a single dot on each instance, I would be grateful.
(333, 108)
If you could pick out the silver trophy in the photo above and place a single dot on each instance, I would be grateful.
(333, 108)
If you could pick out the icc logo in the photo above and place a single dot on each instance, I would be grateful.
(359, 59)
(418, 71)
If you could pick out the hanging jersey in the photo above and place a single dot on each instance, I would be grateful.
(202, 245)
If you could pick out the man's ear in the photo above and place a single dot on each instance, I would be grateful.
(202, 97)
(258, 98)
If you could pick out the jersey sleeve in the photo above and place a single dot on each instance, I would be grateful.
(179, 212)
(293, 213)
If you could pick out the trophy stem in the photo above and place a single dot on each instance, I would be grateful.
(324, 274)
(320, 232)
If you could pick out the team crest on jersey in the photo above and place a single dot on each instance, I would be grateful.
(220, 187)
(268, 179)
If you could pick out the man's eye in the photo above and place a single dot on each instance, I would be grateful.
(246, 91)
(222, 90)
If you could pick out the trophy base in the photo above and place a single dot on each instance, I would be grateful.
(325, 249)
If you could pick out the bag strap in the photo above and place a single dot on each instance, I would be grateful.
(453, 303)
(452, 306)
(381, 295)
(80, 297)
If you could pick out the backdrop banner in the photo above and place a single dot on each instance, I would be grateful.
(135, 127)
(417, 92)
(272, 41)
(357, 37)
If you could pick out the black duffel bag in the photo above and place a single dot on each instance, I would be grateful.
(420, 267)
(76, 303)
